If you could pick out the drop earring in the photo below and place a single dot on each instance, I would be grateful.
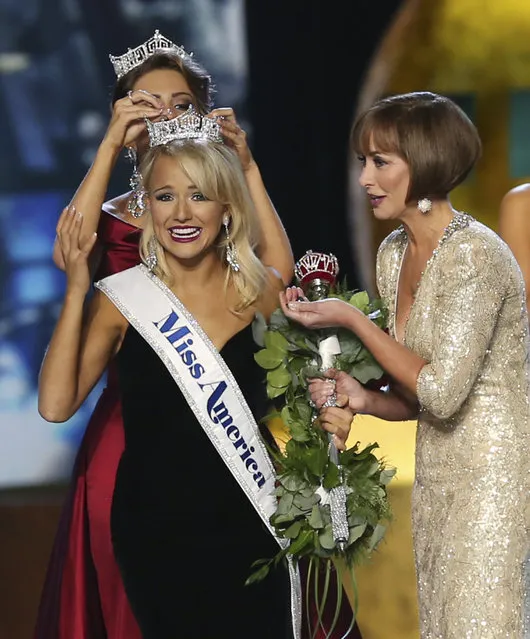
(136, 205)
(231, 252)
(151, 259)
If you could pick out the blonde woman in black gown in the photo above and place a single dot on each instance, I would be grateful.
(194, 485)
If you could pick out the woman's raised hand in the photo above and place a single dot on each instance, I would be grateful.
(74, 251)
(233, 134)
(128, 117)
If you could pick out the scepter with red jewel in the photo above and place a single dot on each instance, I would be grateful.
(317, 274)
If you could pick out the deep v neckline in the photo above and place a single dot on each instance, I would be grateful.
(191, 318)
(460, 220)
(396, 299)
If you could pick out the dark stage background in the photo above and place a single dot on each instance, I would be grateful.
(307, 63)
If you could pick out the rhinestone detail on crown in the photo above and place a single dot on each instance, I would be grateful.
(188, 126)
(135, 57)
(313, 265)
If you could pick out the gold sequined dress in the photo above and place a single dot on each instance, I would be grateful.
(471, 489)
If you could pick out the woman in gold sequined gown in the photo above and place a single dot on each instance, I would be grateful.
(457, 352)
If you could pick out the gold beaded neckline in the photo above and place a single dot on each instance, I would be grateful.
(459, 221)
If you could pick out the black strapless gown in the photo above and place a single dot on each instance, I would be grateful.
(184, 533)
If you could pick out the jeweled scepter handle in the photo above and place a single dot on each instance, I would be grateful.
(316, 273)
(339, 513)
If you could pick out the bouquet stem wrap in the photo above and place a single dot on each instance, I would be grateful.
(328, 348)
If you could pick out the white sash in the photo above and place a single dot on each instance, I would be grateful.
(209, 388)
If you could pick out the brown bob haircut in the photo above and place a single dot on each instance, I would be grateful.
(430, 132)
(199, 81)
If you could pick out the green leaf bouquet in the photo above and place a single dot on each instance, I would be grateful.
(305, 472)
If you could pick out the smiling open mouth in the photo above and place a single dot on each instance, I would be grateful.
(185, 233)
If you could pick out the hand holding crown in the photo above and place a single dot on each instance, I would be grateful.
(127, 122)
(234, 136)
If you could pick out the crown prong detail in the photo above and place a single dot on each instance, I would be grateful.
(135, 57)
(316, 265)
(188, 126)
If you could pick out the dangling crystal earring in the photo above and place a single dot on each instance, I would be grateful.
(231, 253)
(151, 260)
(424, 205)
(136, 204)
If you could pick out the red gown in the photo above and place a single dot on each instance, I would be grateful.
(83, 595)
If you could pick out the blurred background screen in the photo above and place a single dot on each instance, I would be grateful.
(55, 88)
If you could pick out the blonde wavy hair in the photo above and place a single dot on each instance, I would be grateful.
(216, 171)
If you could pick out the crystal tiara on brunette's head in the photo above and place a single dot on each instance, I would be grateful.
(135, 57)
(188, 126)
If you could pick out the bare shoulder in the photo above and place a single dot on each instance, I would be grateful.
(269, 300)
(520, 192)
(515, 205)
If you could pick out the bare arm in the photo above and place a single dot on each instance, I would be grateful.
(91, 194)
(126, 124)
(78, 354)
(269, 299)
(275, 248)
(389, 406)
(514, 228)
(79, 350)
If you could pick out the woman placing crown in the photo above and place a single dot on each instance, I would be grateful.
(83, 594)
(159, 80)
(195, 485)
